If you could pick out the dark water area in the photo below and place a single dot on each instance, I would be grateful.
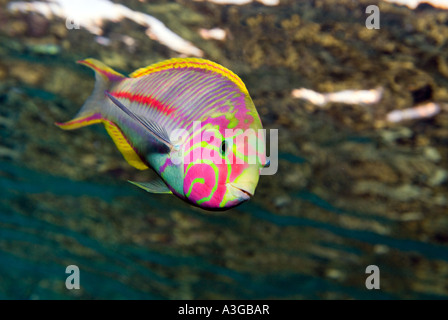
(353, 189)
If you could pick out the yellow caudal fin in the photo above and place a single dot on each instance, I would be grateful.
(191, 63)
(101, 69)
(79, 122)
(90, 113)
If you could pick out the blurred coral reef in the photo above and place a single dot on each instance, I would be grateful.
(354, 188)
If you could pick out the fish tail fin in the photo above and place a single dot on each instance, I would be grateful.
(90, 113)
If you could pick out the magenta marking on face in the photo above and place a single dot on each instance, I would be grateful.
(218, 196)
(200, 190)
(204, 190)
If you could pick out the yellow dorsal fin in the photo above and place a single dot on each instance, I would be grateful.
(194, 63)
(101, 69)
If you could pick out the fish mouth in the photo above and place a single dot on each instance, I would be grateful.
(239, 192)
(245, 192)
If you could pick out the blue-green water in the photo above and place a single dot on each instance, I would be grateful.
(351, 190)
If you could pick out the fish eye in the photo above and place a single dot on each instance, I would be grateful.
(224, 148)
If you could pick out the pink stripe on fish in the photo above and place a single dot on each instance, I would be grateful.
(147, 100)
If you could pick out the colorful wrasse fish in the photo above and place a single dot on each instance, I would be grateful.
(145, 113)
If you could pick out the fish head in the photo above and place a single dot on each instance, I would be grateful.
(222, 168)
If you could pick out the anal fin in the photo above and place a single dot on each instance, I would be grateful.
(123, 145)
(155, 186)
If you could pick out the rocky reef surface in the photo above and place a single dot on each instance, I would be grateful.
(352, 190)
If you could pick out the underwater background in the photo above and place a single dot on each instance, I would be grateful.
(358, 184)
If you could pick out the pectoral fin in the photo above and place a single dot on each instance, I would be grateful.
(155, 186)
(157, 131)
